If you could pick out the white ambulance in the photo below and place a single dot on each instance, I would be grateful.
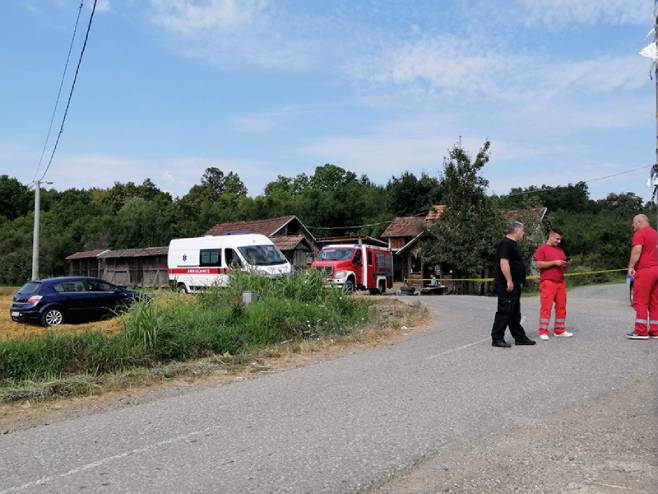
(198, 263)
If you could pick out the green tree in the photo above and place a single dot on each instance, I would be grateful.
(466, 235)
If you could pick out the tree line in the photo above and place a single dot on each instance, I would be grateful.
(129, 215)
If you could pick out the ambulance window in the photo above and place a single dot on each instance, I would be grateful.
(231, 259)
(209, 257)
(357, 257)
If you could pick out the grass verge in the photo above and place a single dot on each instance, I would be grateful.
(179, 336)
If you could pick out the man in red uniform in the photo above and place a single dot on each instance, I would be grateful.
(643, 266)
(552, 261)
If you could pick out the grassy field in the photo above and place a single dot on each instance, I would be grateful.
(180, 328)
(12, 330)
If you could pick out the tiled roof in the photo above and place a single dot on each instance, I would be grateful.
(287, 242)
(145, 252)
(404, 226)
(435, 212)
(264, 227)
(86, 254)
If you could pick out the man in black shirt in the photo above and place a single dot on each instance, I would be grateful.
(508, 281)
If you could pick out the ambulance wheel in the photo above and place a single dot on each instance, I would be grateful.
(382, 287)
(349, 286)
(181, 288)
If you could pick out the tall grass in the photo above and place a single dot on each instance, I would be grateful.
(179, 327)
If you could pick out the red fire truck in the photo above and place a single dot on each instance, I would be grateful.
(356, 267)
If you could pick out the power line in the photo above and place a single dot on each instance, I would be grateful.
(548, 189)
(59, 92)
(354, 227)
(68, 102)
(545, 189)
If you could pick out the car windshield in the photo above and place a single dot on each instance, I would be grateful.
(29, 288)
(262, 255)
(336, 254)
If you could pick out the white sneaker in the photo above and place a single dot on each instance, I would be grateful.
(543, 337)
(564, 334)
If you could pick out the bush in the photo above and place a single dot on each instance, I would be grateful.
(179, 327)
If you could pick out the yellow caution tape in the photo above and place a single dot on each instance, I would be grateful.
(533, 277)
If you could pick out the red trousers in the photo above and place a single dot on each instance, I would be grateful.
(551, 292)
(645, 301)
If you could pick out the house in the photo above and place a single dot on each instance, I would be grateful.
(143, 268)
(404, 234)
(288, 233)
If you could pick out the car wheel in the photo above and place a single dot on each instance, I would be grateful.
(52, 317)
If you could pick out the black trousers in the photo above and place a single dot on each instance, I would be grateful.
(508, 313)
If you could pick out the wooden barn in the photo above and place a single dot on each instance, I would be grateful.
(143, 268)
(86, 263)
(288, 233)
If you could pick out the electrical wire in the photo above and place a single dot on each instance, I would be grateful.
(354, 227)
(59, 93)
(68, 102)
(548, 189)
(544, 189)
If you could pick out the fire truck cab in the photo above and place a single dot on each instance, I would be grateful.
(356, 267)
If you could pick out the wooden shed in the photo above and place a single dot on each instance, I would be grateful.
(144, 268)
(86, 263)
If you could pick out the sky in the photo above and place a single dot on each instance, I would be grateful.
(263, 88)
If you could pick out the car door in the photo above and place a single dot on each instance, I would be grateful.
(74, 298)
(103, 298)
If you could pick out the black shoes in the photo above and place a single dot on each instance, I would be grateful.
(500, 344)
(525, 341)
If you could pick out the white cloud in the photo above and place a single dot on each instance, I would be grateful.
(175, 175)
(103, 6)
(188, 16)
(400, 146)
(449, 66)
(556, 13)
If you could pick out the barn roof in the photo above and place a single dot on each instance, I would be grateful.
(265, 227)
(145, 252)
(404, 226)
(85, 254)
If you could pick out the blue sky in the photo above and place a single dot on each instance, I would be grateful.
(269, 87)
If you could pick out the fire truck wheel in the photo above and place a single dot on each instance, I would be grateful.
(382, 287)
(349, 285)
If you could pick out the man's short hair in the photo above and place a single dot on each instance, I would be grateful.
(513, 226)
(556, 230)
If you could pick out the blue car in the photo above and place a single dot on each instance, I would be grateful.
(54, 301)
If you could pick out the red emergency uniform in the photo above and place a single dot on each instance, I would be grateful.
(552, 289)
(645, 286)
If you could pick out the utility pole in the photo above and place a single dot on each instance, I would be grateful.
(654, 169)
(35, 238)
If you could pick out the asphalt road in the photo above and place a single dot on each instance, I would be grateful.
(442, 411)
